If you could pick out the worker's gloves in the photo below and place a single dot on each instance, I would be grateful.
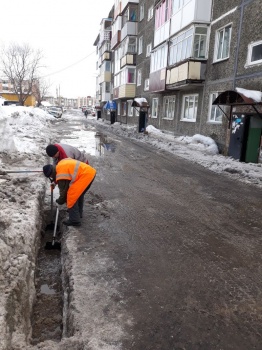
(60, 206)
(52, 185)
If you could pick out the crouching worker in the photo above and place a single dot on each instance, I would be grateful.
(73, 178)
(59, 151)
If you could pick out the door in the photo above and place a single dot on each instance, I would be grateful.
(238, 137)
(253, 139)
(142, 121)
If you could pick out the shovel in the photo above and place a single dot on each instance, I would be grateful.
(4, 172)
(51, 225)
(53, 244)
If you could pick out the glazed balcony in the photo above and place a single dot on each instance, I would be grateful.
(189, 73)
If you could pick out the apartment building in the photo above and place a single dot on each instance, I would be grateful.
(181, 55)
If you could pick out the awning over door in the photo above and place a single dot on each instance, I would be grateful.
(110, 105)
(234, 98)
(140, 102)
(239, 98)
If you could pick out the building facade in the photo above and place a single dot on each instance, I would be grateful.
(180, 55)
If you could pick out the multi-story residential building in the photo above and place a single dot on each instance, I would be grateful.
(234, 60)
(178, 64)
(86, 101)
(104, 81)
(180, 55)
(124, 45)
(145, 38)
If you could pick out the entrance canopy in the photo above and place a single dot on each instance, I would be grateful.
(239, 98)
(235, 98)
(140, 102)
(110, 105)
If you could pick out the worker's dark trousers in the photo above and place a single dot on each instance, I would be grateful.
(76, 212)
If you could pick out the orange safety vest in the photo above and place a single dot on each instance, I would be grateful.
(80, 175)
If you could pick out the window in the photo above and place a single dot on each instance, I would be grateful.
(154, 107)
(130, 109)
(108, 87)
(140, 45)
(215, 114)
(139, 77)
(177, 5)
(158, 59)
(142, 12)
(146, 84)
(150, 13)
(189, 109)
(123, 108)
(200, 39)
(128, 45)
(181, 47)
(130, 15)
(191, 43)
(222, 45)
(169, 107)
(118, 108)
(148, 49)
(254, 53)
(128, 76)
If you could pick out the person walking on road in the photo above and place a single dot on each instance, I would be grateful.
(73, 178)
(59, 151)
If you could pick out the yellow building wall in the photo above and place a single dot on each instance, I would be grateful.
(30, 101)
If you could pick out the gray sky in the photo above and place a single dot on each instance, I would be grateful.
(65, 31)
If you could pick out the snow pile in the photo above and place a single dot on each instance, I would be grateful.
(200, 143)
(2, 100)
(198, 149)
(23, 129)
(255, 95)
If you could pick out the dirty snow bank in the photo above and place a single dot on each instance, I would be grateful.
(24, 133)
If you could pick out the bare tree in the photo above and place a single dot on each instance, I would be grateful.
(41, 90)
(20, 64)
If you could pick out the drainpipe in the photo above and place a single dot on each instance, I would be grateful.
(238, 42)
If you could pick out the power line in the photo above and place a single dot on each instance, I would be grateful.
(61, 70)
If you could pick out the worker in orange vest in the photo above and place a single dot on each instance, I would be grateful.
(73, 178)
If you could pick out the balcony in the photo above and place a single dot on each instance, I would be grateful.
(105, 77)
(126, 2)
(130, 28)
(115, 40)
(157, 80)
(106, 96)
(127, 91)
(128, 59)
(161, 34)
(187, 74)
(105, 35)
(106, 56)
(197, 11)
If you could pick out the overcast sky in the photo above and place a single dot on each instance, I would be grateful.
(65, 31)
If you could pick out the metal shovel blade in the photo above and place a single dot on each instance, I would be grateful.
(53, 245)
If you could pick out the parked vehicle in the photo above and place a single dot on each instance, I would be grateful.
(55, 111)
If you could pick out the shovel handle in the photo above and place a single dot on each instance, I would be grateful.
(56, 220)
(52, 200)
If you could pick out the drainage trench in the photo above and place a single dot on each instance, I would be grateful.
(48, 308)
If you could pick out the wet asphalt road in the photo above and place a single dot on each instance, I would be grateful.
(186, 244)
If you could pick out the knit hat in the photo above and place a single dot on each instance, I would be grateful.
(51, 150)
(47, 170)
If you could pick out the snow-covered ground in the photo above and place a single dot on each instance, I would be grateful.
(198, 149)
(24, 135)
(26, 132)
